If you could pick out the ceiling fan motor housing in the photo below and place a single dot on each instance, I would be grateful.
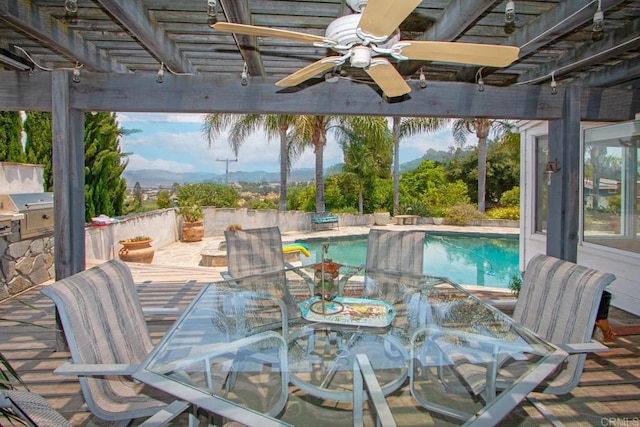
(343, 30)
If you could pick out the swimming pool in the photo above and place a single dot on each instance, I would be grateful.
(467, 258)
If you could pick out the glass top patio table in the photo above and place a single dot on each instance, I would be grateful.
(263, 351)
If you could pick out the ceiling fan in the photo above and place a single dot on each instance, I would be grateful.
(366, 38)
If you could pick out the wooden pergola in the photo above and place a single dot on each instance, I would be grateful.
(106, 57)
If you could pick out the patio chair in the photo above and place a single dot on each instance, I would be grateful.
(558, 301)
(396, 251)
(33, 410)
(108, 338)
(258, 252)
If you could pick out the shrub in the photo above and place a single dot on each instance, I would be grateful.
(515, 284)
(462, 214)
(511, 197)
(512, 213)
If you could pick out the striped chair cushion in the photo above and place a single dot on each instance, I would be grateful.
(104, 324)
(395, 250)
(559, 301)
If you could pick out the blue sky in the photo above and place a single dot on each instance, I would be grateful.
(175, 142)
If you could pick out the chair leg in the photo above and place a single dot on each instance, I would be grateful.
(607, 331)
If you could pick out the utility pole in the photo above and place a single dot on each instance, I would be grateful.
(226, 173)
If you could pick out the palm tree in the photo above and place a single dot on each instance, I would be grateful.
(403, 127)
(366, 143)
(481, 128)
(312, 130)
(242, 125)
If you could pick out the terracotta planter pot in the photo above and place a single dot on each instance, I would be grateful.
(192, 231)
(138, 251)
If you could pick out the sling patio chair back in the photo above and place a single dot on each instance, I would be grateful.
(558, 301)
(392, 251)
(255, 261)
(108, 338)
(31, 409)
(395, 250)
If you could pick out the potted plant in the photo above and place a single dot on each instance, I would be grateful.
(192, 223)
(137, 249)
(381, 217)
(438, 214)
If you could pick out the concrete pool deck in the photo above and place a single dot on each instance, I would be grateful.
(188, 254)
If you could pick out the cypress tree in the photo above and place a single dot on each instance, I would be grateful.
(10, 137)
(104, 164)
(38, 146)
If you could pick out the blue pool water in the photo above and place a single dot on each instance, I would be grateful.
(469, 259)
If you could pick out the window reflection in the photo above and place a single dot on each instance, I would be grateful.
(611, 186)
(541, 188)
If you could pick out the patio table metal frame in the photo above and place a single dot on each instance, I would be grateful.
(419, 313)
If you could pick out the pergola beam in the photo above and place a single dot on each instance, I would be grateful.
(30, 19)
(209, 94)
(616, 42)
(135, 17)
(238, 11)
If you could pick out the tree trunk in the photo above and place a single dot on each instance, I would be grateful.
(284, 155)
(396, 165)
(482, 172)
(319, 149)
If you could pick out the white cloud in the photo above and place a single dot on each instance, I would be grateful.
(160, 117)
(137, 162)
(176, 140)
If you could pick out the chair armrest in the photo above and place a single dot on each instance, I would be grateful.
(346, 276)
(167, 414)
(161, 310)
(69, 368)
(308, 280)
(502, 302)
(586, 347)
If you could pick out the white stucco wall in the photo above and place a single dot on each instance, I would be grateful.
(21, 178)
(624, 265)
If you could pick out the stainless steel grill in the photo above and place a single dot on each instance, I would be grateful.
(35, 211)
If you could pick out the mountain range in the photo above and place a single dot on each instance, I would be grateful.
(158, 178)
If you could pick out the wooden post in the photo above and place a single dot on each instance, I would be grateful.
(68, 187)
(563, 202)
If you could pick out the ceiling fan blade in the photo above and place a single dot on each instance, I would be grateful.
(463, 53)
(253, 30)
(388, 78)
(382, 17)
(309, 71)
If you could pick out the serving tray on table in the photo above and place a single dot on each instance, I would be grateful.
(348, 311)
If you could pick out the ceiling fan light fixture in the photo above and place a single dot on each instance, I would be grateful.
(360, 57)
